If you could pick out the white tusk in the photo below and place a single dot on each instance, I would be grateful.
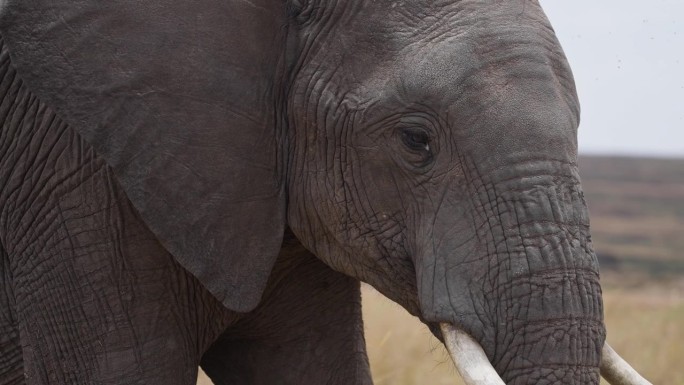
(470, 360)
(474, 366)
(617, 371)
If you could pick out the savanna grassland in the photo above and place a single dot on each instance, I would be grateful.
(637, 214)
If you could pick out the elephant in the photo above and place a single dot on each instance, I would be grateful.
(207, 183)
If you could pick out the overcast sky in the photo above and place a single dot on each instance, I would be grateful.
(628, 60)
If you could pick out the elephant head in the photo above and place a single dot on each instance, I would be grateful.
(427, 148)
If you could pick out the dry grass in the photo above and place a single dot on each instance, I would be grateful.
(401, 349)
(646, 326)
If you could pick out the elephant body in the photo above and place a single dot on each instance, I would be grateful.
(186, 184)
(115, 307)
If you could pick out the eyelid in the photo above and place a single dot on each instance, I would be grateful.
(422, 119)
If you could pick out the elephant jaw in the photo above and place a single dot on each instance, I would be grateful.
(475, 369)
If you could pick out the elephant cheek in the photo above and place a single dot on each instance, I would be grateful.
(444, 290)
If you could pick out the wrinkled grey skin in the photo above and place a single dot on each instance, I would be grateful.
(151, 222)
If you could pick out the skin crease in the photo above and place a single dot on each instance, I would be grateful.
(11, 372)
(429, 149)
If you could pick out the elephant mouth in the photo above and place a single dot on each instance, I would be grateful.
(475, 369)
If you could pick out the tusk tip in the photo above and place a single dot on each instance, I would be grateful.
(617, 371)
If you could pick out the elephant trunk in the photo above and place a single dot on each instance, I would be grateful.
(524, 282)
(473, 365)
(532, 305)
(545, 298)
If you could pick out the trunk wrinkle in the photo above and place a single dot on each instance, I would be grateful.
(541, 286)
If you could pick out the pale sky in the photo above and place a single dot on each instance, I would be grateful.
(628, 60)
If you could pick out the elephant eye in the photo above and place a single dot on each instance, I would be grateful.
(416, 139)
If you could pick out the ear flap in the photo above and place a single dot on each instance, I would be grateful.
(179, 97)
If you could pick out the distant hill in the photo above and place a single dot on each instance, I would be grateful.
(637, 213)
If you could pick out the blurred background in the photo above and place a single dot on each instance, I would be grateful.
(628, 61)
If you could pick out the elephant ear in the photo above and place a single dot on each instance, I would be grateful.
(179, 97)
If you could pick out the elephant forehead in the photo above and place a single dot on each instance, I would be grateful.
(434, 55)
